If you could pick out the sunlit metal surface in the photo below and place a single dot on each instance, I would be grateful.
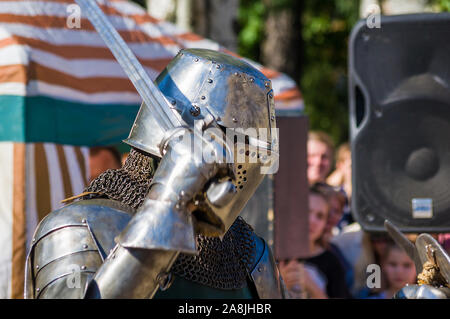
(266, 276)
(259, 213)
(63, 243)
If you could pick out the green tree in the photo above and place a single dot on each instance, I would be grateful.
(326, 29)
(441, 5)
(251, 18)
(326, 26)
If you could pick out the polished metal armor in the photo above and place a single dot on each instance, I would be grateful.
(214, 92)
(71, 243)
(106, 249)
(205, 85)
(69, 246)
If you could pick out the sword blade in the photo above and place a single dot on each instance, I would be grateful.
(148, 91)
(405, 243)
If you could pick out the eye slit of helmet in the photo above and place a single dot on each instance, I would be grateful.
(236, 135)
(246, 139)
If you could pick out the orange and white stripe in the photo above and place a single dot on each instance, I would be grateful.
(41, 55)
(40, 177)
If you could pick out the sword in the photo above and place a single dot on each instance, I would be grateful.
(405, 243)
(148, 91)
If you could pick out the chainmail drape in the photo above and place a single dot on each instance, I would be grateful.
(128, 184)
(222, 264)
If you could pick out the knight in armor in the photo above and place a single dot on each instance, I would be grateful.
(166, 224)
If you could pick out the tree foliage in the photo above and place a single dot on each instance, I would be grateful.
(326, 29)
(441, 5)
(326, 26)
(251, 17)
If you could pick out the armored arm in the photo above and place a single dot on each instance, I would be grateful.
(163, 226)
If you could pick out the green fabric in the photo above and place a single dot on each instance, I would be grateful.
(184, 289)
(43, 119)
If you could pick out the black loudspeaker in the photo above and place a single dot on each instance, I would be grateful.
(399, 85)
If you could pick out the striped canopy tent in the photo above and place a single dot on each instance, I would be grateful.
(62, 91)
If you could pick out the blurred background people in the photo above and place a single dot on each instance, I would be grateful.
(361, 249)
(342, 175)
(320, 152)
(103, 158)
(303, 281)
(398, 270)
(321, 274)
(336, 200)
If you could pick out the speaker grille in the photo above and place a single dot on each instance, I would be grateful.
(400, 78)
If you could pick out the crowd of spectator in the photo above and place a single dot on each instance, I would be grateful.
(340, 251)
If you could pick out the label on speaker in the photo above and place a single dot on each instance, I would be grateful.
(422, 207)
